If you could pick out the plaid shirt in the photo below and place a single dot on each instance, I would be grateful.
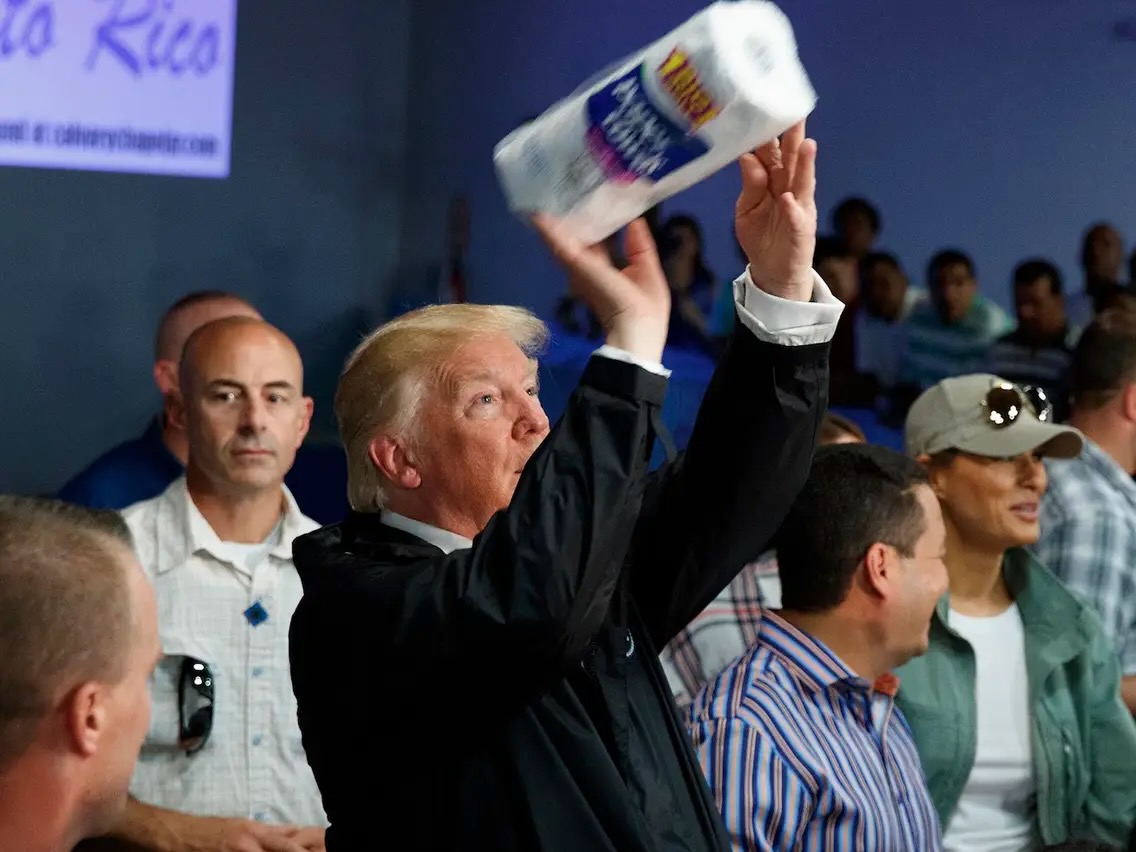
(1088, 539)
(722, 632)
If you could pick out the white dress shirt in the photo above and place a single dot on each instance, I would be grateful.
(253, 765)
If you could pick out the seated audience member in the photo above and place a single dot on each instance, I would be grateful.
(79, 637)
(1088, 518)
(800, 738)
(951, 333)
(887, 301)
(515, 582)
(143, 467)
(1016, 706)
(857, 225)
(223, 764)
(693, 286)
(1038, 352)
(839, 270)
(728, 626)
(1102, 257)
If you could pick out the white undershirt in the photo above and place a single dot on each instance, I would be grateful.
(997, 810)
(250, 556)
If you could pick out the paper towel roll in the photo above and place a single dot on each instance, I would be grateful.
(723, 83)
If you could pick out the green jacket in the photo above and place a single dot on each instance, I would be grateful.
(1084, 739)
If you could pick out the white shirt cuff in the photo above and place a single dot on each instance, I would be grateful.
(618, 354)
(784, 321)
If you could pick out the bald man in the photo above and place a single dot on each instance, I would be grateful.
(223, 766)
(143, 467)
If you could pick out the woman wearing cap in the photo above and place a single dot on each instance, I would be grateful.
(1015, 708)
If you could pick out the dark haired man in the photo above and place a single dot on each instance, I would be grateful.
(1038, 352)
(800, 738)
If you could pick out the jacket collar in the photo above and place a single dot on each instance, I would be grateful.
(444, 540)
(1053, 619)
(185, 531)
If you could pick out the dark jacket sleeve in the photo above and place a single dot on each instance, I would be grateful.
(508, 616)
(716, 507)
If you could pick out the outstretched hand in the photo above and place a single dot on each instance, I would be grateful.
(776, 216)
(632, 304)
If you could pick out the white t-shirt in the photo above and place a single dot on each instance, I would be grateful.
(997, 810)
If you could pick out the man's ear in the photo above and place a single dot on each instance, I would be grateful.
(166, 376)
(86, 716)
(935, 474)
(879, 570)
(1128, 400)
(394, 461)
(309, 407)
(174, 407)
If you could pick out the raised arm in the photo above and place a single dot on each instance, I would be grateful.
(717, 507)
(514, 612)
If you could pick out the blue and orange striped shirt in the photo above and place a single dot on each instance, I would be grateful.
(801, 753)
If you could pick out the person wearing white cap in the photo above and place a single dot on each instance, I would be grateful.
(1016, 708)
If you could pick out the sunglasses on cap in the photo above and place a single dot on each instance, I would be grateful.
(195, 705)
(1005, 402)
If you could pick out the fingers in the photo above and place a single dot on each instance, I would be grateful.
(274, 842)
(755, 182)
(804, 181)
(561, 243)
(638, 244)
(790, 146)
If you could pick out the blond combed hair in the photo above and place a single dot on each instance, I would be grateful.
(387, 375)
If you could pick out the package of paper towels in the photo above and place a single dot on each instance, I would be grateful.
(723, 83)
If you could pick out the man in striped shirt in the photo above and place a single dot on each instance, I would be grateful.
(800, 738)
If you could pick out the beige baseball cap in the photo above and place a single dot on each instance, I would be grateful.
(963, 414)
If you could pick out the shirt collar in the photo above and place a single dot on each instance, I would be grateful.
(1106, 467)
(186, 531)
(816, 666)
(444, 540)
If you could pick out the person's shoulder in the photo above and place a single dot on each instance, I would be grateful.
(125, 474)
(923, 312)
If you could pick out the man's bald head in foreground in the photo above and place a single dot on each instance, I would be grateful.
(242, 404)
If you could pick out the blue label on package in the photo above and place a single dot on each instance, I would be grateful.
(630, 138)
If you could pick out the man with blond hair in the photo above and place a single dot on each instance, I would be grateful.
(474, 657)
(78, 628)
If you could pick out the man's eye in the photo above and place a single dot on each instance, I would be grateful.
(486, 399)
(224, 396)
(533, 391)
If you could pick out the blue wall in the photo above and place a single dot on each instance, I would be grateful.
(1003, 127)
(306, 227)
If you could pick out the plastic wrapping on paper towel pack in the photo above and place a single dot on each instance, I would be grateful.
(723, 83)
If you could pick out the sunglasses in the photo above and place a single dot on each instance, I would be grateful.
(195, 705)
(1005, 402)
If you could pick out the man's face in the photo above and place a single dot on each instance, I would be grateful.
(127, 703)
(245, 412)
(857, 233)
(923, 580)
(1041, 312)
(885, 290)
(1104, 254)
(840, 274)
(477, 426)
(954, 291)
